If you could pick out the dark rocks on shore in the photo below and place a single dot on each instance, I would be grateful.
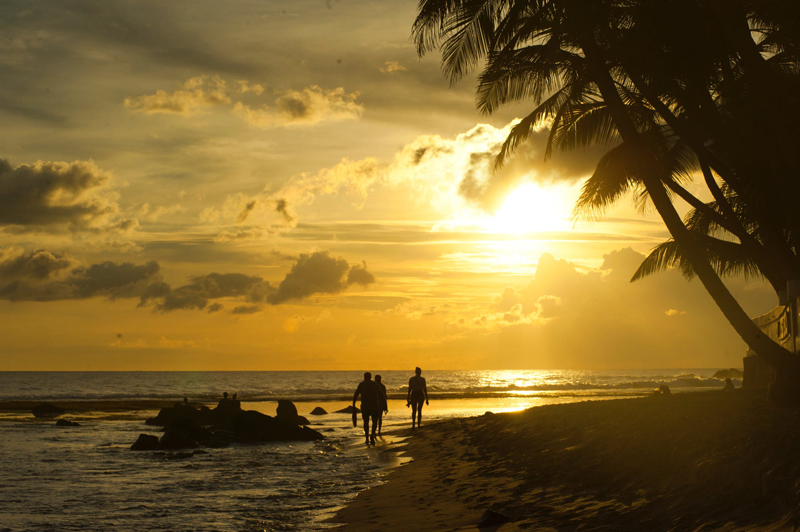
(180, 411)
(177, 438)
(145, 442)
(731, 373)
(187, 427)
(492, 518)
(319, 411)
(287, 412)
(349, 410)
(67, 423)
(255, 426)
(47, 410)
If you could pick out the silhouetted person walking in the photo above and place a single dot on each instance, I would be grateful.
(417, 393)
(384, 403)
(370, 394)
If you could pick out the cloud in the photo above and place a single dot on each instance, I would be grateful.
(153, 214)
(37, 265)
(283, 208)
(244, 87)
(242, 233)
(245, 212)
(57, 197)
(246, 309)
(349, 177)
(392, 66)
(318, 273)
(106, 279)
(201, 289)
(194, 96)
(360, 275)
(304, 107)
(315, 273)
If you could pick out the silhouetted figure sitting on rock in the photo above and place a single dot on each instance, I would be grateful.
(662, 390)
(729, 387)
(228, 405)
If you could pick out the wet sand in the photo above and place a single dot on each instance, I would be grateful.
(707, 460)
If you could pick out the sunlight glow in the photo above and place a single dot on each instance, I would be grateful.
(532, 208)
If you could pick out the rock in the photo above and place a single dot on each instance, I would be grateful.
(319, 411)
(195, 432)
(731, 373)
(255, 426)
(349, 410)
(287, 412)
(492, 518)
(146, 442)
(67, 423)
(47, 410)
(178, 412)
(177, 439)
(228, 425)
(662, 390)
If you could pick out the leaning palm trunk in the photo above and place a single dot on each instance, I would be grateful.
(650, 172)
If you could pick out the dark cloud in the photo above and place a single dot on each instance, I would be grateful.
(44, 276)
(246, 309)
(317, 273)
(201, 289)
(38, 265)
(248, 208)
(358, 274)
(107, 279)
(114, 280)
(282, 207)
(55, 196)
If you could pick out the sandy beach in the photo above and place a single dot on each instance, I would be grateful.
(692, 461)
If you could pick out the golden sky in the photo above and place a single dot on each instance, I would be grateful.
(204, 185)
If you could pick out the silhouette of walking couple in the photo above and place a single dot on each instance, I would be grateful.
(374, 403)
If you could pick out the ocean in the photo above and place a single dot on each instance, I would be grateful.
(86, 478)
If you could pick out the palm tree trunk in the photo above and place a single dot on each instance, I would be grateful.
(773, 354)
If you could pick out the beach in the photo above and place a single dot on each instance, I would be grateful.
(693, 461)
(87, 477)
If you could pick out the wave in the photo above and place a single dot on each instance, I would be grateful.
(636, 387)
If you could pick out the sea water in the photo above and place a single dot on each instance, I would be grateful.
(86, 478)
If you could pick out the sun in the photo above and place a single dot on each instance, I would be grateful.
(532, 208)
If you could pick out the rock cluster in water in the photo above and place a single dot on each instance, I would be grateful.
(186, 427)
(731, 373)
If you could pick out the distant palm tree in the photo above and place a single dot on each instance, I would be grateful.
(598, 73)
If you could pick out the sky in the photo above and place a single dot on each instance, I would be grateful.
(285, 185)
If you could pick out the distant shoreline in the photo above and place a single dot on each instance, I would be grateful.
(682, 462)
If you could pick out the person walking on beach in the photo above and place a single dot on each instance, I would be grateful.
(370, 394)
(384, 403)
(417, 393)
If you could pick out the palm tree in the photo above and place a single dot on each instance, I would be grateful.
(570, 58)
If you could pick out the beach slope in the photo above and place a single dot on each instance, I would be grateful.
(709, 460)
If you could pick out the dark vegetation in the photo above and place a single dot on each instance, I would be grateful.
(677, 90)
